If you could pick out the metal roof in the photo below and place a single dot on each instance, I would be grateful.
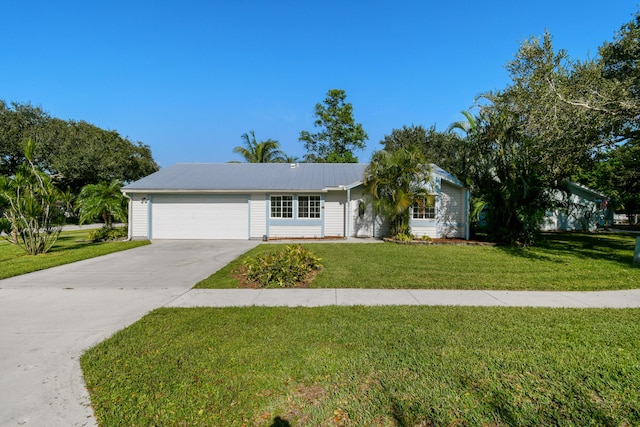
(227, 177)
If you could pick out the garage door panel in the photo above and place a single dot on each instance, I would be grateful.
(200, 217)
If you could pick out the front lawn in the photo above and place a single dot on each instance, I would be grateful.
(561, 261)
(370, 366)
(70, 247)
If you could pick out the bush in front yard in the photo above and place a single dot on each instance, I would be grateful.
(107, 233)
(286, 268)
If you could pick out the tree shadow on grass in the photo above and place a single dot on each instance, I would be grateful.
(280, 422)
(556, 247)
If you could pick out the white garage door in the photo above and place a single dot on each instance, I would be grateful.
(200, 217)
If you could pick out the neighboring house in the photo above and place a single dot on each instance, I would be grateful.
(578, 208)
(279, 200)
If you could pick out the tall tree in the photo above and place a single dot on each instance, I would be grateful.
(19, 122)
(339, 134)
(507, 180)
(260, 152)
(73, 153)
(442, 148)
(527, 140)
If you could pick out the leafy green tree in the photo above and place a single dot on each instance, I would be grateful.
(260, 152)
(31, 206)
(445, 149)
(393, 181)
(19, 122)
(528, 139)
(618, 170)
(339, 134)
(73, 153)
(79, 153)
(103, 200)
(616, 173)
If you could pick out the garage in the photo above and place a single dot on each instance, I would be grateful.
(199, 217)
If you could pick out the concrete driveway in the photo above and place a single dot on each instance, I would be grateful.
(48, 318)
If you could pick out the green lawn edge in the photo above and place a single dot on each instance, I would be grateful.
(560, 262)
(70, 247)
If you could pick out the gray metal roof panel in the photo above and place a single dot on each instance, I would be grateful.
(250, 177)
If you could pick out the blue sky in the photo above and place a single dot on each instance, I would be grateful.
(189, 77)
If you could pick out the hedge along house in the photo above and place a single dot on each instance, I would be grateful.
(278, 200)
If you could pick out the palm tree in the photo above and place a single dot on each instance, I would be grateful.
(102, 200)
(394, 181)
(28, 200)
(260, 152)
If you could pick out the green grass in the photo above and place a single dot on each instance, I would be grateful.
(370, 366)
(70, 247)
(561, 261)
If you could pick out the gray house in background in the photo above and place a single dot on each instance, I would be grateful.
(577, 208)
(279, 200)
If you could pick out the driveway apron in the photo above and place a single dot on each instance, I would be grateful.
(48, 318)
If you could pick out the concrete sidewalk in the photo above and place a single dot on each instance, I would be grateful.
(346, 297)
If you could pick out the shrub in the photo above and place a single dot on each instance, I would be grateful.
(106, 233)
(282, 269)
(404, 237)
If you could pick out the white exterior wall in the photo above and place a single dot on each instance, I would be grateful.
(425, 230)
(365, 225)
(139, 216)
(258, 215)
(334, 210)
(452, 211)
(280, 231)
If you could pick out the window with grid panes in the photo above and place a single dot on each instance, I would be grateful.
(424, 208)
(308, 206)
(281, 206)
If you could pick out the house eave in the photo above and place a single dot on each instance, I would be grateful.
(211, 191)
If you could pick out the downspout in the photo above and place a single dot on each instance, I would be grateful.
(467, 231)
(348, 233)
(129, 216)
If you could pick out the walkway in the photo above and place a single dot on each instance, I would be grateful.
(345, 297)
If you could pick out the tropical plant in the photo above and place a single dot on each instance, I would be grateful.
(33, 219)
(509, 184)
(393, 181)
(260, 152)
(103, 200)
(104, 234)
(286, 268)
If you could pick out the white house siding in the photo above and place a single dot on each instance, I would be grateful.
(363, 223)
(258, 215)
(451, 214)
(139, 221)
(199, 217)
(298, 231)
(334, 211)
(420, 228)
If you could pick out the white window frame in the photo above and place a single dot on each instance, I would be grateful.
(424, 210)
